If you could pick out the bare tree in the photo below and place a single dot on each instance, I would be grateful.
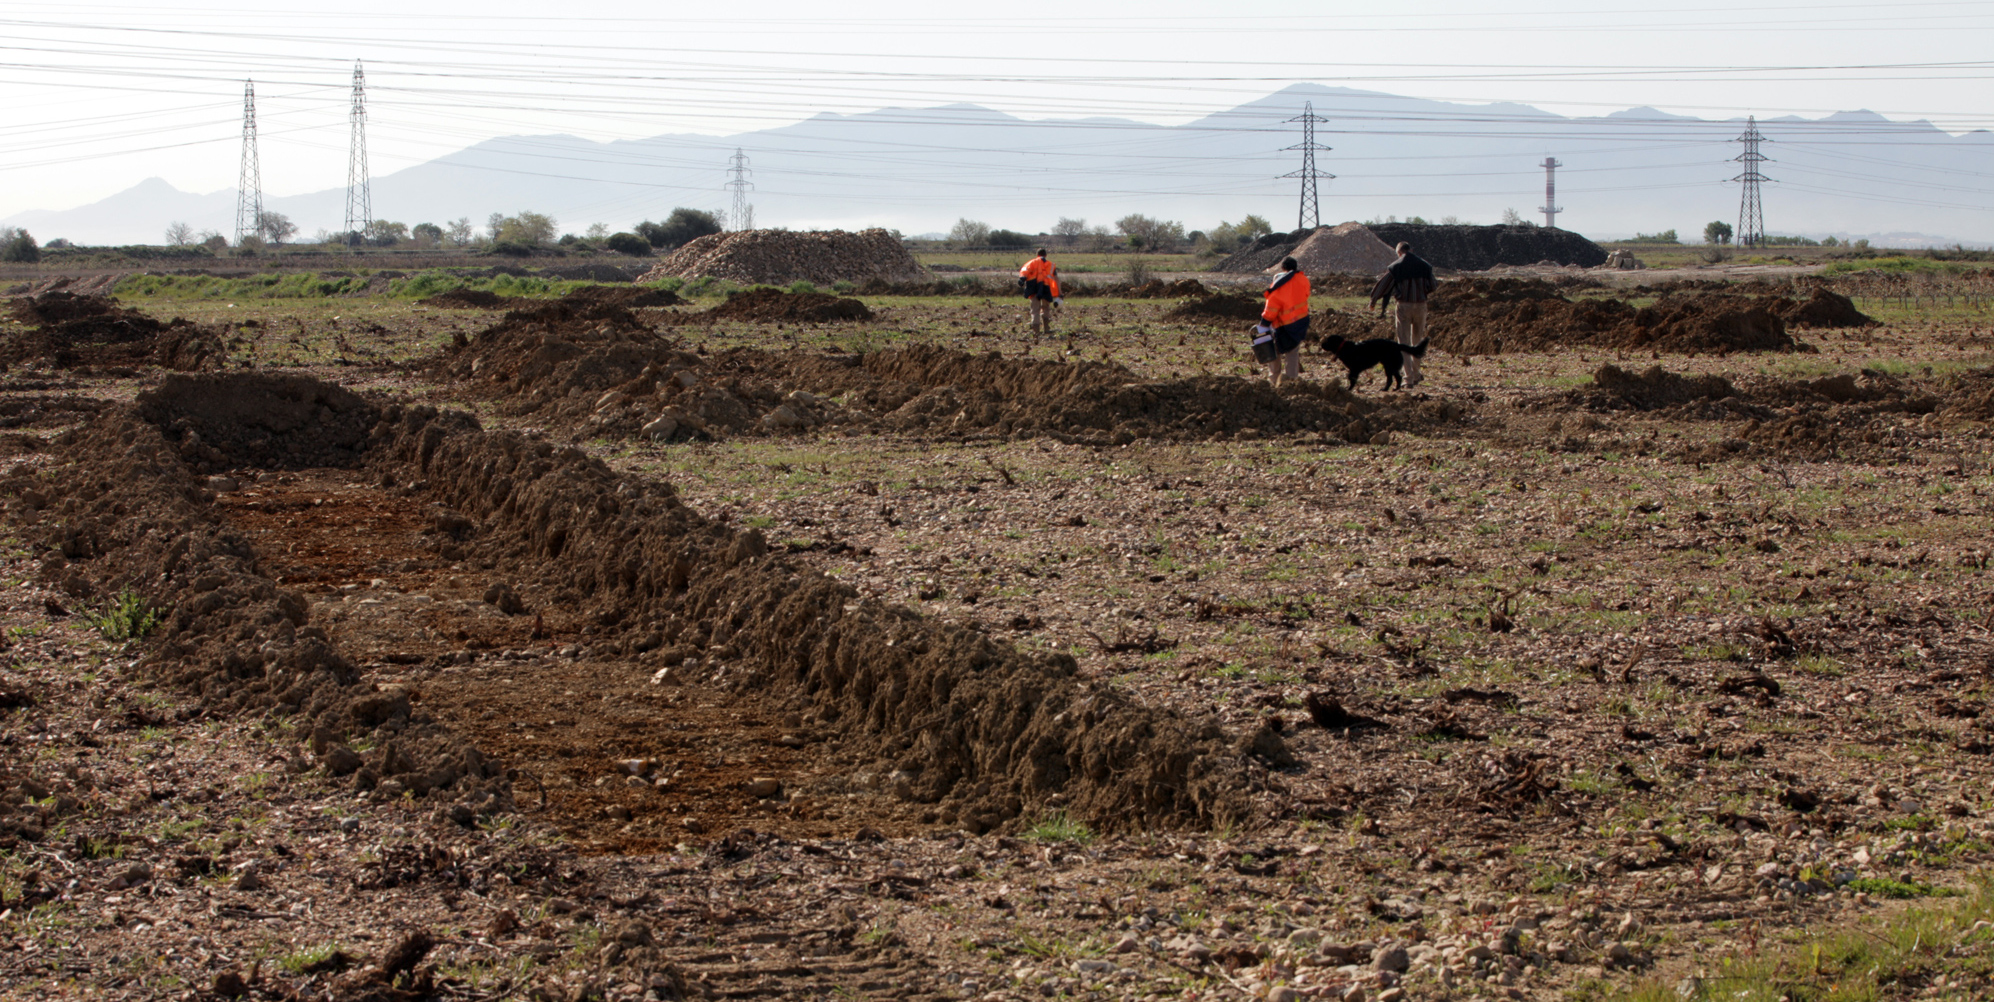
(969, 233)
(459, 232)
(275, 226)
(179, 234)
(1069, 231)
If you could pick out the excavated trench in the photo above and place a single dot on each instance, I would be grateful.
(484, 618)
(528, 688)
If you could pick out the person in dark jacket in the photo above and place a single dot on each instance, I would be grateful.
(1410, 281)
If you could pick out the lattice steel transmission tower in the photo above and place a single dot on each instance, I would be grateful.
(359, 187)
(1550, 208)
(249, 185)
(1309, 215)
(1751, 214)
(742, 215)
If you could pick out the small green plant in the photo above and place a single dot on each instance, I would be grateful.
(1059, 827)
(311, 958)
(128, 617)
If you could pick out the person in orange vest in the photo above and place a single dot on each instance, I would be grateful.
(1285, 319)
(1040, 280)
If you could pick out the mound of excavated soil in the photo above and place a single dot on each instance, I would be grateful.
(1822, 309)
(630, 297)
(1227, 307)
(1261, 254)
(1478, 248)
(1348, 249)
(472, 299)
(1490, 316)
(627, 296)
(781, 257)
(1870, 416)
(1156, 288)
(270, 421)
(1970, 395)
(126, 513)
(76, 330)
(777, 306)
(597, 372)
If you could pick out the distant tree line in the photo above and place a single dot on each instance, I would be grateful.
(520, 233)
(1135, 232)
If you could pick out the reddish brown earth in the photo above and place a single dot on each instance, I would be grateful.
(1219, 704)
(517, 681)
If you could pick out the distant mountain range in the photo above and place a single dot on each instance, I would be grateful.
(1851, 174)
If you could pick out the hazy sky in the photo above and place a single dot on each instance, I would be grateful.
(98, 97)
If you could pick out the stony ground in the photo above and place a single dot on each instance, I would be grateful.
(1563, 721)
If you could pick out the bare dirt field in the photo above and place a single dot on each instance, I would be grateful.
(624, 647)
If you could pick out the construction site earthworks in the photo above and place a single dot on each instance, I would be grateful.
(698, 640)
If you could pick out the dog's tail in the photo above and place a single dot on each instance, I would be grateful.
(1415, 350)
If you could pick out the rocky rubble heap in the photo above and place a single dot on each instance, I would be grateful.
(1349, 249)
(781, 257)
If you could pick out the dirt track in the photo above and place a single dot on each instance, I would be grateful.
(1326, 673)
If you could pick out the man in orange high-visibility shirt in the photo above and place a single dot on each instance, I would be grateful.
(1287, 312)
(1041, 283)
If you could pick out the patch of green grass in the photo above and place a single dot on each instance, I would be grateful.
(311, 285)
(1928, 951)
(1714, 652)
(1884, 887)
(1913, 823)
(1549, 877)
(297, 962)
(1060, 827)
(1897, 264)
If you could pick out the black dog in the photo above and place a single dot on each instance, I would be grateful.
(1360, 355)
